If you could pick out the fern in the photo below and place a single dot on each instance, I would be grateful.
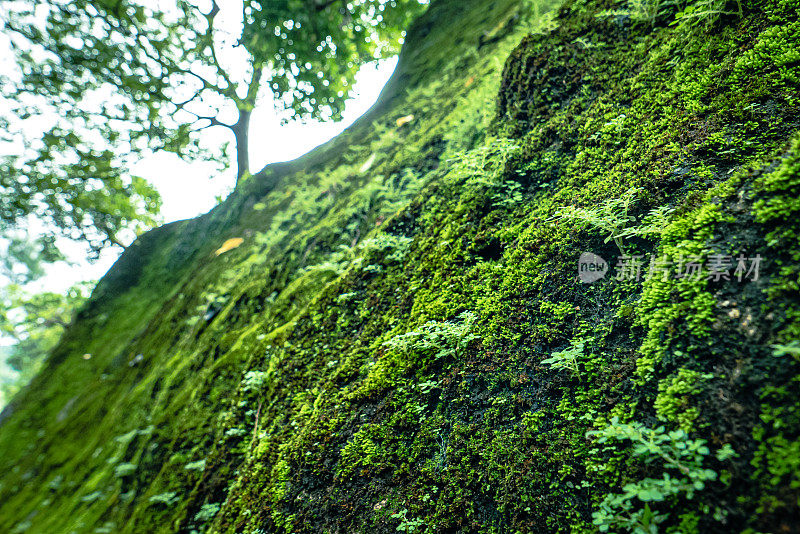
(568, 359)
(707, 12)
(614, 219)
(439, 339)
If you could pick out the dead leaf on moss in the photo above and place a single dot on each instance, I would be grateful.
(230, 244)
(404, 120)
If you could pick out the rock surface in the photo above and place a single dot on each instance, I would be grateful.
(400, 342)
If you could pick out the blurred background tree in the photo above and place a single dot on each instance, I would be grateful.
(35, 323)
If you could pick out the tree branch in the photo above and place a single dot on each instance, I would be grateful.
(209, 38)
(254, 85)
(214, 10)
(212, 121)
(182, 104)
(324, 5)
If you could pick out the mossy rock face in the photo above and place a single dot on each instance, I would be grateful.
(402, 342)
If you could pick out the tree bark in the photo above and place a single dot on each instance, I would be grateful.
(241, 130)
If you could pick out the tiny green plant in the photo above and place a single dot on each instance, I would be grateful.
(384, 247)
(536, 18)
(338, 261)
(199, 465)
(693, 13)
(439, 339)
(91, 497)
(406, 524)
(235, 432)
(124, 470)
(652, 224)
(397, 246)
(611, 217)
(484, 166)
(681, 459)
(486, 160)
(568, 359)
(167, 498)
(253, 381)
(641, 11)
(508, 194)
(614, 219)
(645, 10)
(207, 512)
(673, 402)
(704, 13)
(428, 386)
(790, 349)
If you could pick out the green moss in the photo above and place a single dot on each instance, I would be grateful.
(379, 350)
(674, 402)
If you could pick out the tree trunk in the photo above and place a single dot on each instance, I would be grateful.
(241, 132)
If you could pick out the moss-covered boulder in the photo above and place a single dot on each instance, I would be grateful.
(549, 283)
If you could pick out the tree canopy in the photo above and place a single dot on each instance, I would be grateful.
(313, 48)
